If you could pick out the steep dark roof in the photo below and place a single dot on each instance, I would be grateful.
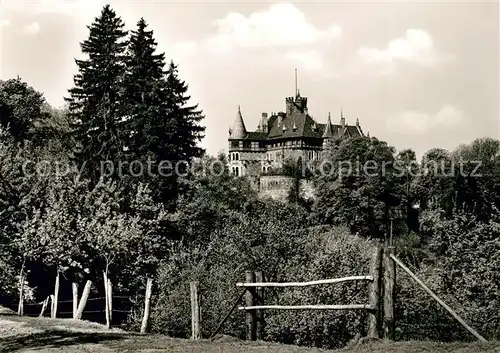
(256, 135)
(353, 130)
(238, 131)
(297, 122)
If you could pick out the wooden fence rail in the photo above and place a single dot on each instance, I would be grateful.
(308, 307)
(305, 284)
(255, 307)
(435, 297)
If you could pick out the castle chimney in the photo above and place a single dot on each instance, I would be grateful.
(289, 105)
(342, 119)
(263, 123)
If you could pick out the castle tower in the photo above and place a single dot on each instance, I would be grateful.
(238, 130)
(236, 136)
(328, 133)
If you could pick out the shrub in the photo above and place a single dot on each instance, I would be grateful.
(297, 255)
(461, 267)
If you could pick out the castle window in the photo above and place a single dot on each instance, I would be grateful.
(237, 170)
(255, 145)
(241, 144)
(237, 155)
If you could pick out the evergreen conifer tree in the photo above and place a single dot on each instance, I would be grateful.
(95, 103)
(162, 128)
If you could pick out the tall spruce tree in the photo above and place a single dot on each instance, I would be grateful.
(162, 127)
(95, 103)
(145, 94)
(184, 119)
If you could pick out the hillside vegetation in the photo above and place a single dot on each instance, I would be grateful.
(116, 187)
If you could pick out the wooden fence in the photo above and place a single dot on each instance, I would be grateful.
(78, 306)
(255, 308)
(380, 302)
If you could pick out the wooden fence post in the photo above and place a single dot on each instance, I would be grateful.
(195, 311)
(44, 306)
(442, 303)
(259, 299)
(251, 317)
(374, 293)
(74, 287)
(389, 282)
(56, 296)
(147, 305)
(83, 299)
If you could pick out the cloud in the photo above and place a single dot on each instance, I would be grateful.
(280, 25)
(417, 46)
(31, 29)
(4, 23)
(279, 34)
(84, 9)
(310, 60)
(418, 123)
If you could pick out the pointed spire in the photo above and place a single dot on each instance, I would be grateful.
(342, 118)
(328, 127)
(357, 121)
(238, 131)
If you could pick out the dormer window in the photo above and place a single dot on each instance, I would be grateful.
(294, 127)
(284, 128)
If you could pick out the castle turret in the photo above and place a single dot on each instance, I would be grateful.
(328, 133)
(238, 131)
(301, 102)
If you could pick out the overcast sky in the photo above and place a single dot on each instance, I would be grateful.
(418, 75)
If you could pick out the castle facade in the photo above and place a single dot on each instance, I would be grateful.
(279, 136)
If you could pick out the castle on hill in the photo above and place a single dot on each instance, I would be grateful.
(289, 134)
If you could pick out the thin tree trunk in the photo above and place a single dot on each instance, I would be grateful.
(20, 307)
(56, 295)
(75, 298)
(83, 300)
(110, 302)
(51, 304)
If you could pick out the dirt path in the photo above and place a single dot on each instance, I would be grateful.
(44, 335)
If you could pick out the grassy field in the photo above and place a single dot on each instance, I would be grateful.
(24, 334)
